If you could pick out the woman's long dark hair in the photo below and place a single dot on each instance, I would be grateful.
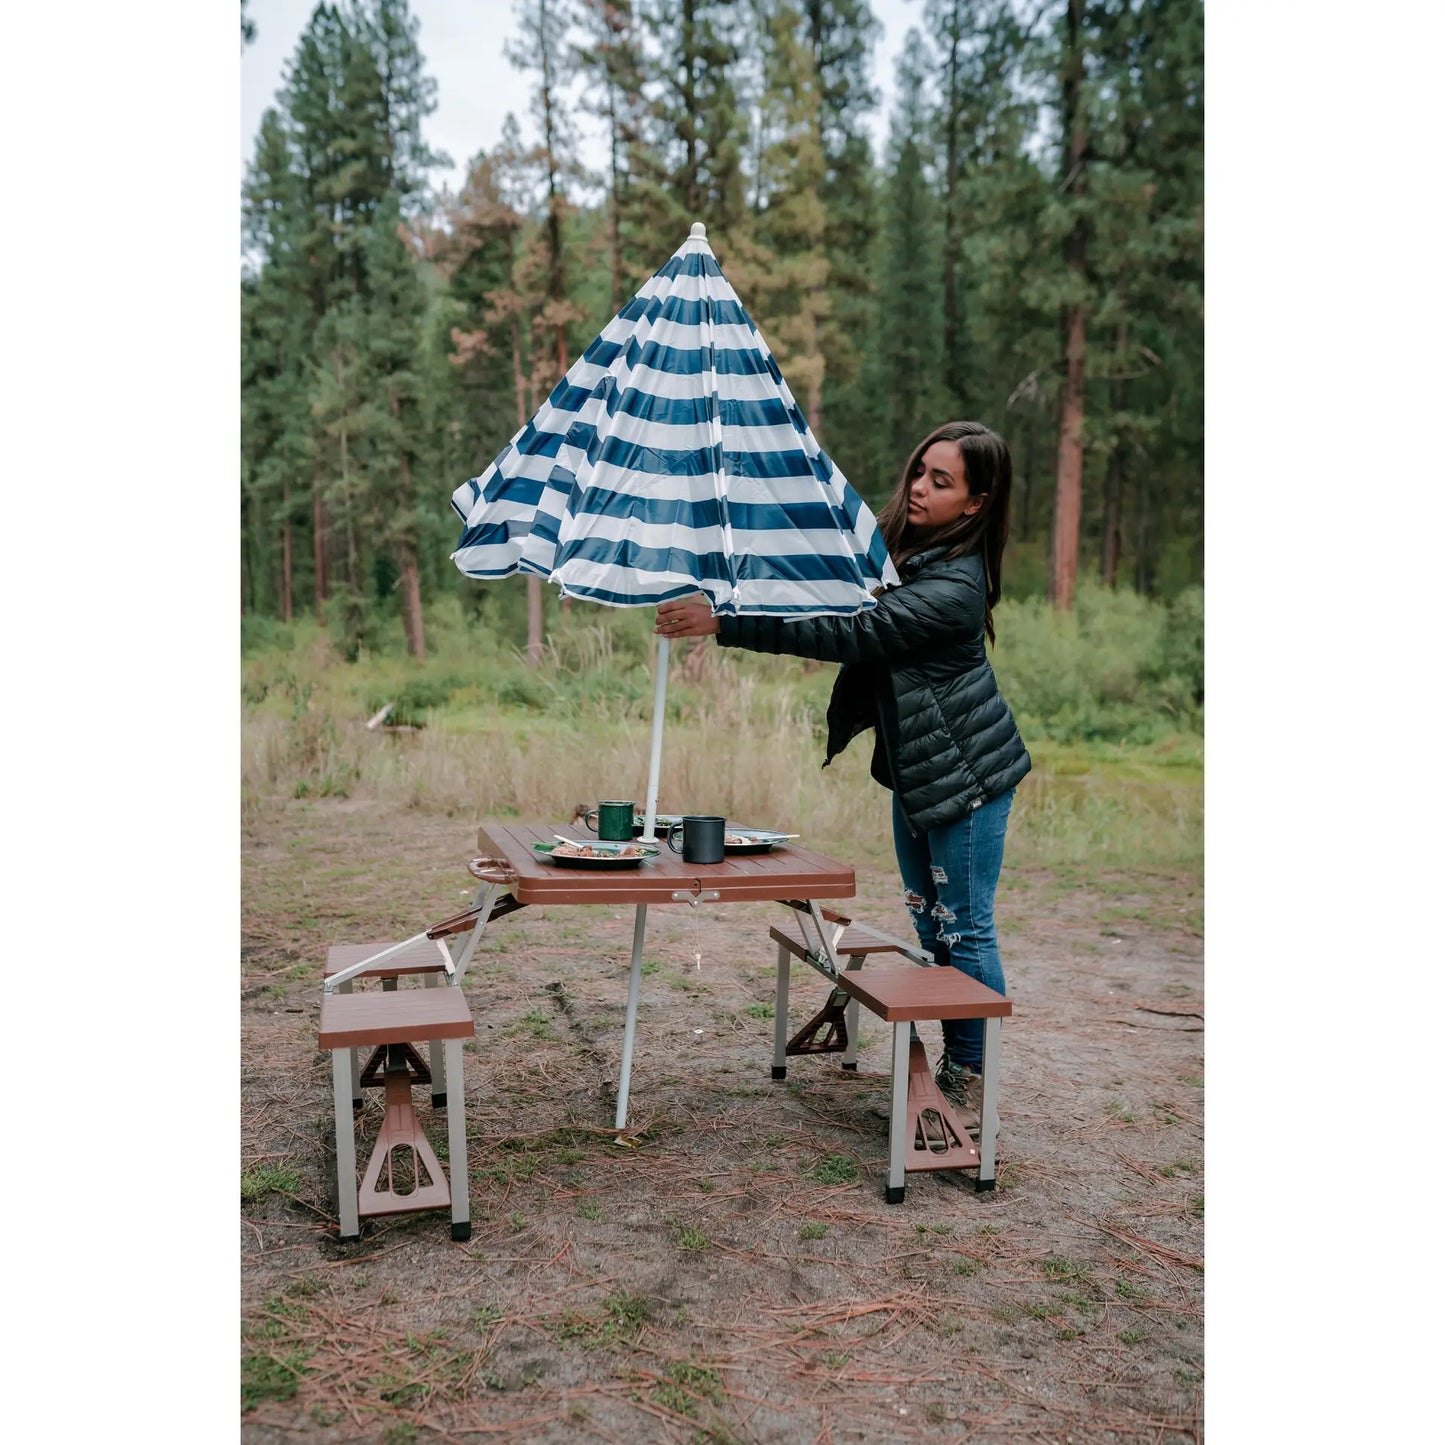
(988, 470)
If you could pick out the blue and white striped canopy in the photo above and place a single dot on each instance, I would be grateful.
(670, 460)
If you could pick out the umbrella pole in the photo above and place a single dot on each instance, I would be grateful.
(634, 981)
(654, 762)
(630, 1031)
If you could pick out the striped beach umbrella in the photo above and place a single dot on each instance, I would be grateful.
(672, 460)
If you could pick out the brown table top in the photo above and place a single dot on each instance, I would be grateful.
(786, 872)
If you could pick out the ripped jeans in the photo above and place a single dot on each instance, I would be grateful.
(949, 878)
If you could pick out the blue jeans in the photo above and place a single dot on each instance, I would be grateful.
(950, 876)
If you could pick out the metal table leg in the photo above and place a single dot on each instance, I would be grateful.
(898, 1114)
(780, 1015)
(457, 1144)
(988, 1114)
(346, 1201)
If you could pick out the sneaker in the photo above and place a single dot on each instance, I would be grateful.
(963, 1086)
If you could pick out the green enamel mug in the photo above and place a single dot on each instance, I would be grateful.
(613, 821)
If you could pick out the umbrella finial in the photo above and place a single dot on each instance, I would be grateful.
(698, 232)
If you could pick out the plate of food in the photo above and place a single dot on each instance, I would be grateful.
(594, 853)
(661, 823)
(738, 839)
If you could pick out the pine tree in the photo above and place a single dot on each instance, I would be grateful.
(612, 59)
(274, 348)
(692, 169)
(779, 258)
(841, 35)
(903, 369)
(1147, 260)
(977, 46)
(391, 374)
(405, 95)
(1073, 183)
(547, 28)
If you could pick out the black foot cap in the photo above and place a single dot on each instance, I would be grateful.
(780, 1073)
(852, 1068)
(984, 1184)
(462, 1232)
(438, 1101)
(347, 1238)
(895, 1196)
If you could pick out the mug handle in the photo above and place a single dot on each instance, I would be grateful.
(673, 828)
(587, 820)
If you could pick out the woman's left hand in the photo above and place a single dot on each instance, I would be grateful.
(685, 619)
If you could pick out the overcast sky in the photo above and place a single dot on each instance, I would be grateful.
(463, 41)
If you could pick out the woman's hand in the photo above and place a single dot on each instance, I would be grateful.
(685, 619)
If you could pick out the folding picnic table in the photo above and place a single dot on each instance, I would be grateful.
(791, 875)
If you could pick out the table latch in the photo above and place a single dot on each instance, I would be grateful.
(704, 895)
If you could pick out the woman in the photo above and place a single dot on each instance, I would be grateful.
(916, 670)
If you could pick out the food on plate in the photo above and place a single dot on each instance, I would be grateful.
(586, 850)
(737, 840)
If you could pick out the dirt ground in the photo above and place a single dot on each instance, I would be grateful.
(736, 1276)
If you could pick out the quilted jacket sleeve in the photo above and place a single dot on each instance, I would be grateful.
(936, 605)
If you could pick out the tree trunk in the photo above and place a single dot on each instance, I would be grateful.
(1113, 518)
(1026, 477)
(411, 619)
(318, 547)
(614, 222)
(286, 557)
(561, 372)
(1068, 495)
(1114, 477)
(248, 563)
(689, 101)
(534, 618)
(519, 377)
(346, 482)
(952, 322)
(556, 287)
(1143, 541)
(534, 583)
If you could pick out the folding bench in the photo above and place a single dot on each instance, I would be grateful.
(924, 1131)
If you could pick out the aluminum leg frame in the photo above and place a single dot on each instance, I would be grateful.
(780, 1012)
(898, 1109)
(347, 1207)
(822, 957)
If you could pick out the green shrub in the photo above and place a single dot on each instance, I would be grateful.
(1119, 668)
(267, 634)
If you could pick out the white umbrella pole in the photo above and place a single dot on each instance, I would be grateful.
(634, 981)
(654, 763)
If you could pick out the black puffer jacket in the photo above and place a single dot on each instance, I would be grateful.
(916, 668)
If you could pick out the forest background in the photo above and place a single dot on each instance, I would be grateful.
(1027, 249)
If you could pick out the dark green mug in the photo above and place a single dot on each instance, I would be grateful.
(703, 838)
(614, 821)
